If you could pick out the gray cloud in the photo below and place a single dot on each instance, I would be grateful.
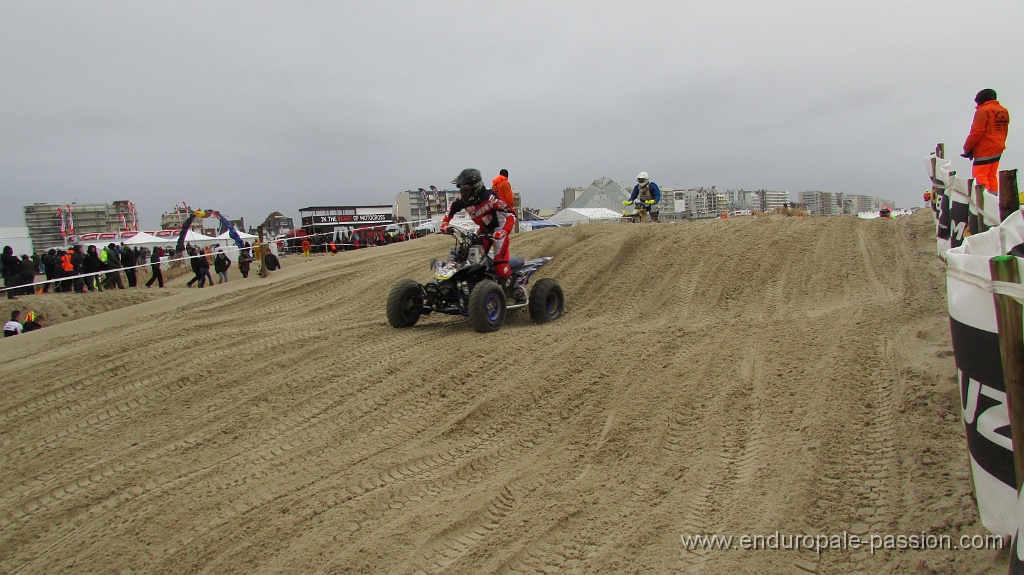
(253, 107)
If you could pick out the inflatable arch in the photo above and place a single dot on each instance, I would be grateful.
(207, 214)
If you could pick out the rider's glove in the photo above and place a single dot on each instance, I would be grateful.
(626, 202)
(499, 235)
(649, 202)
(444, 226)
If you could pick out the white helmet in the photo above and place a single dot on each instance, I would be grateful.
(642, 176)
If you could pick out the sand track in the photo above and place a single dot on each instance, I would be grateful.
(737, 377)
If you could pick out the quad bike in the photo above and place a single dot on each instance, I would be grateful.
(465, 284)
(641, 211)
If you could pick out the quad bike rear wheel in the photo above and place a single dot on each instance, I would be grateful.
(547, 303)
(487, 306)
(405, 304)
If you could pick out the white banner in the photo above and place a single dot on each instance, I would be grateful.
(972, 319)
(954, 200)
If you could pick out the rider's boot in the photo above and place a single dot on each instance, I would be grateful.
(513, 293)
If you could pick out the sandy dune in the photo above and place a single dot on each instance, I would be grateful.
(745, 376)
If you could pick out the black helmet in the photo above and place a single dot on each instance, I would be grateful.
(470, 184)
(469, 176)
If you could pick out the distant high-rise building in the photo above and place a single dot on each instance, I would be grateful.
(743, 199)
(822, 203)
(835, 203)
(46, 222)
(695, 203)
(768, 200)
(174, 220)
(415, 205)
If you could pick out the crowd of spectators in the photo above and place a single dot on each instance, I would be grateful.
(97, 269)
(85, 269)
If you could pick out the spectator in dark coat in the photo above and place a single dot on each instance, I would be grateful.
(92, 264)
(11, 271)
(129, 260)
(28, 275)
(154, 264)
(113, 268)
(49, 267)
(194, 262)
(221, 264)
(204, 269)
(77, 266)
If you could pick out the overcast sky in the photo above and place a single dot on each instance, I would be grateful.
(250, 107)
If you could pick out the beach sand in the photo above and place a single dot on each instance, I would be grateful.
(742, 376)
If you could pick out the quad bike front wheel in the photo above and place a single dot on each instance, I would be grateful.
(487, 306)
(405, 304)
(547, 303)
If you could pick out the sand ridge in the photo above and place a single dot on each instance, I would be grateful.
(738, 376)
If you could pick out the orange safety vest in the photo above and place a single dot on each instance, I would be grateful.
(65, 262)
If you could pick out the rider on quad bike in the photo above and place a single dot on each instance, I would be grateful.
(493, 216)
(648, 192)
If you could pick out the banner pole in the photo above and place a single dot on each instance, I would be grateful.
(1011, 352)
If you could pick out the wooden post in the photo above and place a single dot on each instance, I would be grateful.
(1009, 201)
(979, 198)
(518, 209)
(940, 151)
(262, 253)
(1011, 351)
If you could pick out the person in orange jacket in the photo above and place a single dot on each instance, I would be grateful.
(306, 246)
(987, 140)
(503, 188)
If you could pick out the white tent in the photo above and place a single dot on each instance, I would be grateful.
(227, 244)
(197, 239)
(245, 237)
(585, 215)
(18, 238)
(143, 239)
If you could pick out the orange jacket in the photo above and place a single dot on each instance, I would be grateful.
(503, 190)
(988, 132)
(306, 245)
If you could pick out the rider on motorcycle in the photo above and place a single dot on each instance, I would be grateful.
(487, 211)
(647, 191)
